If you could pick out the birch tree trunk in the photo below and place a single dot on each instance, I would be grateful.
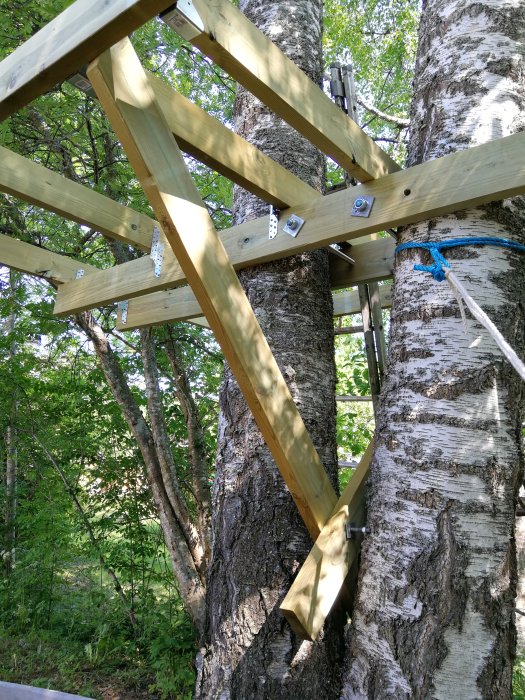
(435, 608)
(259, 540)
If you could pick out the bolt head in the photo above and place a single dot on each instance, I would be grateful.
(292, 223)
(360, 204)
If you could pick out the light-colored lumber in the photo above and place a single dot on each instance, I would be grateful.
(73, 38)
(489, 172)
(347, 303)
(181, 305)
(321, 577)
(36, 261)
(34, 183)
(235, 44)
(124, 92)
(205, 138)
(374, 261)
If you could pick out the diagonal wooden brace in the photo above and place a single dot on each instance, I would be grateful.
(323, 574)
(126, 95)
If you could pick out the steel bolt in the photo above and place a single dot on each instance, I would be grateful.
(292, 223)
(360, 204)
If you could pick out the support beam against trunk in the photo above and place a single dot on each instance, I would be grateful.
(40, 262)
(181, 304)
(321, 577)
(347, 303)
(125, 93)
(22, 178)
(224, 34)
(486, 173)
(76, 36)
(205, 138)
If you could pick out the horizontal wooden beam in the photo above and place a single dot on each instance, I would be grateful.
(465, 179)
(374, 262)
(40, 262)
(205, 138)
(321, 577)
(79, 34)
(125, 93)
(347, 303)
(181, 304)
(34, 183)
(224, 34)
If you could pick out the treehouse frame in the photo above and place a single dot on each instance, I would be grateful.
(152, 121)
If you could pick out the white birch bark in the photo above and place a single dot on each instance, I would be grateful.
(259, 540)
(434, 614)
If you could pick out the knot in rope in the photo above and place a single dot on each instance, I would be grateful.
(435, 247)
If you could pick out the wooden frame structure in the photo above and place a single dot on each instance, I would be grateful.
(152, 122)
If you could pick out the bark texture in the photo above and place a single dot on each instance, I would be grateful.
(259, 540)
(435, 608)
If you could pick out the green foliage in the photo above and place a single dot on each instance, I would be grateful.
(518, 679)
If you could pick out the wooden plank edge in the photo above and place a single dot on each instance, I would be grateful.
(323, 574)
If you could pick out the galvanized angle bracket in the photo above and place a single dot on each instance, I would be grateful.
(157, 252)
(123, 308)
(184, 19)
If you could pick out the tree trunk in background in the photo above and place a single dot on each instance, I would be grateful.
(259, 540)
(435, 608)
(179, 535)
(11, 450)
(520, 596)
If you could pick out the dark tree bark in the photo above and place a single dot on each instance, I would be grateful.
(259, 540)
(435, 608)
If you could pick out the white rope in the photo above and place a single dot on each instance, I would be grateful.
(478, 313)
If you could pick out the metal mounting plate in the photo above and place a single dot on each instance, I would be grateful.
(293, 225)
(363, 205)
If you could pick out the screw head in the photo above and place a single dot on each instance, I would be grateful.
(292, 223)
(360, 204)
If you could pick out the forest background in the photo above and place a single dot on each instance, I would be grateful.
(88, 598)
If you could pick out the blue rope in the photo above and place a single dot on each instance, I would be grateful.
(435, 248)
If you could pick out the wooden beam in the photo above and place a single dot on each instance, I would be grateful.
(224, 34)
(40, 262)
(205, 138)
(181, 304)
(347, 303)
(76, 36)
(321, 577)
(22, 178)
(493, 171)
(126, 95)
(374, 261)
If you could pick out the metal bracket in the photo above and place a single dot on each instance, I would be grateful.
(363, 205)
(157, 251)
(340, 254)
(82, 82)
(274, 222)
(79, 273)
(352, 531)
(184, 19)
(293, 225)
(123, 308)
